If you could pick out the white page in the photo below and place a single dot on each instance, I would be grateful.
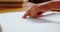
(13, 22)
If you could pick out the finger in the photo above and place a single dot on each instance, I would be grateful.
(39, 14)
(33, 11)
(26, 14)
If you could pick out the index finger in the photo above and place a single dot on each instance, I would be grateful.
(26, 14)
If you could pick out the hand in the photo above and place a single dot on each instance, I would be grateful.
(35, 11)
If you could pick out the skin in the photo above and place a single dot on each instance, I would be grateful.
(37, 10)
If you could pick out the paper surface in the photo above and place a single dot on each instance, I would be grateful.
(13, 22)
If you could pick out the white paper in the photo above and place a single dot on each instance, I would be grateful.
(13, 22)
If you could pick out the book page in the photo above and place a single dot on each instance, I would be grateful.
(13, 22)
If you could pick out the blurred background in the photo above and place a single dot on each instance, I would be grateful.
(17, 5)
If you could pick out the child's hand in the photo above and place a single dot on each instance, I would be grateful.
(35, 11)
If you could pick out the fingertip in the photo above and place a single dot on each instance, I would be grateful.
(24, 16)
